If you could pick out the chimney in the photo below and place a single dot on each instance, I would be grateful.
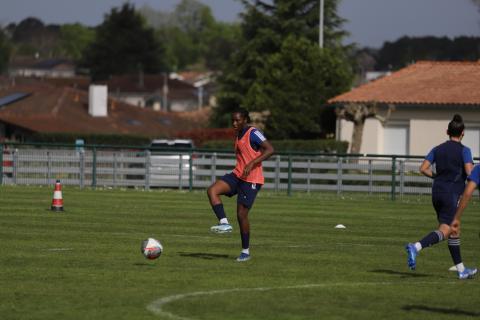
(97, 100)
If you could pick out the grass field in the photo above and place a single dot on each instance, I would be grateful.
(86, 263)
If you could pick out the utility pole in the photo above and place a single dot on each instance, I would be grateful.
(165, 92)
(320, 25)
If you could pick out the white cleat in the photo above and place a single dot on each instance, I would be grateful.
(222, 228)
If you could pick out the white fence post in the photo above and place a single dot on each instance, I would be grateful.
(180, 171)
(147, 169)
(339, 175)
(213, 168)
(277, 173)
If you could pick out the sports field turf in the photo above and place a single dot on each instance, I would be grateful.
(86, 263)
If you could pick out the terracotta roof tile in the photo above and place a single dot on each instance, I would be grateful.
(424, 82)
(62, 109)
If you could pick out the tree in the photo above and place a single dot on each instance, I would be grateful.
(294, 84)
(358, 113)
(74, 39)
(192, 36)
(402, 52)
(5, 51)
(32, 36)
(124, 44)
(280, 67)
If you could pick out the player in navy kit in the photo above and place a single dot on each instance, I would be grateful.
(473, 182)
(246, 179)
(453, 162)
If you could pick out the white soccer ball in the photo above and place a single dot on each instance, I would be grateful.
(151, 248)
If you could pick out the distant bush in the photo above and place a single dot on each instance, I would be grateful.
(321, 145)
(200, 136)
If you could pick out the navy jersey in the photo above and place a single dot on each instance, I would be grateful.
(449, 158)
(256, 138)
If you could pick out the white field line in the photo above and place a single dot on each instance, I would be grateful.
(189, 236)
(59, 249)
(316, 245)
(278, 244)
(156, 306)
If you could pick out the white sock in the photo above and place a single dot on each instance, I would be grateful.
(246, 251)
(223, 221)
(460, 267)
(418, 246)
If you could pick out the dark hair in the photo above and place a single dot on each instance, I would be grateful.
(243, 112)
(456, 126)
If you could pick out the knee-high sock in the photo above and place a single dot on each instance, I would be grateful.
(454, 248)
(219, 211)
(431, 239)
(245, 240)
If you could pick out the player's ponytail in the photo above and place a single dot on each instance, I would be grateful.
(244, 113)
(456, 126)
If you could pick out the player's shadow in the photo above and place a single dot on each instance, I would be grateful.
(453, 311)
(203, 255)
(144, 264)
(401, 274)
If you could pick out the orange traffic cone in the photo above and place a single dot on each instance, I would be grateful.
(57, 202)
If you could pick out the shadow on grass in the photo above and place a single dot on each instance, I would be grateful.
(144, 264)
(401, 274)
(457, 312)
(203, 255)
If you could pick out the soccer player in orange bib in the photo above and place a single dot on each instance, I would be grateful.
(246, 179)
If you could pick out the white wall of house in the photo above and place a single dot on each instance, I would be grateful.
(426, 134)
(413, 131)
(396, 137)
(472, 139)
(42, 73)
(139, 100)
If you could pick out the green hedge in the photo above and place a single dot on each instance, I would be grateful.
(99, 139)
(321, 145)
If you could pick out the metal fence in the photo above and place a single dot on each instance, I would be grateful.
(92, 166)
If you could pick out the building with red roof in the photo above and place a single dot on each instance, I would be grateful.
(422, 99)
(28, 107)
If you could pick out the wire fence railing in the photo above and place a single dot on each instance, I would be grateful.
(141, 167)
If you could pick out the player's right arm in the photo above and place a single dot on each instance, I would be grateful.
(467, 195)
(426, 169)
(426, 166)
(473, 182)
(467, 160)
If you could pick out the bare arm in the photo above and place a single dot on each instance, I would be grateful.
(467, 194)
(426, 169)
(266, 150)
(468, 168)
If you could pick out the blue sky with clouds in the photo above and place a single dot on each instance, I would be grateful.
(370, 22)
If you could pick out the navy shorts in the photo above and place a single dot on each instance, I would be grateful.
(445, 205)
(247, 192)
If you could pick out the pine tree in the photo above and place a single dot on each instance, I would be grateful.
(280, 68)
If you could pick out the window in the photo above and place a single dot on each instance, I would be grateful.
(472, 140)
(395, 140)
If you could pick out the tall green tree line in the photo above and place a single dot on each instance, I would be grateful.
(192, 36)
(279, 67)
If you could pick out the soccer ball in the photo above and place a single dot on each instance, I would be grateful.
(151, 248)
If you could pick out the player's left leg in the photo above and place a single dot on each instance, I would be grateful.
(247, 192)
(432, 238)
(454, 239)
(244, 224)
(224, 186)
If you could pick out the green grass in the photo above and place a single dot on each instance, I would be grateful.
(86, 263)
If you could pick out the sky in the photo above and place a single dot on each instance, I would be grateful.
(370, 22)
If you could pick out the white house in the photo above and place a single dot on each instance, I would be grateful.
(423, 98)
(51, 68)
